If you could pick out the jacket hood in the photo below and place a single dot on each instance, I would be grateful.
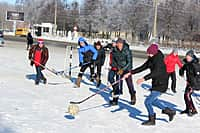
(81, 39)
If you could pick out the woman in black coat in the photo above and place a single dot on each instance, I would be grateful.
(158, 74)
(99, 61)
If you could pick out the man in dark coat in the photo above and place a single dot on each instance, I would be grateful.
(99, 61)
(190, 61)
(39, 55)
(159, 78)
(122, 61)
(29, 41)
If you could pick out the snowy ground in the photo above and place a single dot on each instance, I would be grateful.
(26, 108)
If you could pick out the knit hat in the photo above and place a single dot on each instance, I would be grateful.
(153, 49)
(175, 50)
(190, 53)
(40, 40)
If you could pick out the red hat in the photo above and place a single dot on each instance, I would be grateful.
(153, 49)
(40, 40)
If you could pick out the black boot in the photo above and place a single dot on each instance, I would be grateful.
(36, 82)
(98, 82)
(114, 102)
(186, 111)
(133, 99)
(44, 80)
(192, 112)
(174, 90)
(170, 113)
(151, 121)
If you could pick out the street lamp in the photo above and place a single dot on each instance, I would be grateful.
(155, 18)
(55, 16)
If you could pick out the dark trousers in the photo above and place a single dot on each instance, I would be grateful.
(188, 99)
(84, 67)
(39, 74)
(29, 45)
(98, 66)
(129, 82)
(173, 78)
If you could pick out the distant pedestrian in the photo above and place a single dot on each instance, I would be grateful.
(29, 41)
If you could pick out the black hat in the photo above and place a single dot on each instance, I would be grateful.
(190, 53)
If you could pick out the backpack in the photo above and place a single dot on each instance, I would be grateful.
(196, 80)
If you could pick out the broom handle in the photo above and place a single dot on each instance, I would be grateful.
(51, 70)
(97, 92)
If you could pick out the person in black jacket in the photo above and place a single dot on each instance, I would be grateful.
(29, 41)
(159, 77)
(190, 61)
(99, 61)
(122, 61)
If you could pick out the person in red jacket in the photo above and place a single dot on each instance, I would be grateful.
(39, 55)
(171, 60)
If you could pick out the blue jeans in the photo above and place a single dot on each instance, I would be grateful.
(152, 100)
(39, 75)
(112, 77)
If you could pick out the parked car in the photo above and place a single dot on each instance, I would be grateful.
(1, 38)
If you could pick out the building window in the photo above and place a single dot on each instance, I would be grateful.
(46, 29)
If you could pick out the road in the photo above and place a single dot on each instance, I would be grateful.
(137, 54)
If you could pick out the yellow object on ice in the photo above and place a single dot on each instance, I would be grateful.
(73, 109)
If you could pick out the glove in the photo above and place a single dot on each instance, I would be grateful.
(120, 72)
(80, 64)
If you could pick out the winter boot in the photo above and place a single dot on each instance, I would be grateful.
(170, 113)
(78, 82)
(133, 99)
(174, 90)
(186, 111)
(36, 82)
(44, 80)
(98, 82)
(192, 112)
(114, 102)
(151, 121)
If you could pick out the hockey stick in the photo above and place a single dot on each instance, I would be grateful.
(49, 69)
(101, 90)
(73, 108)
(74, 67)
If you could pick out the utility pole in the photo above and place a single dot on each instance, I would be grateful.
(155, 18)
(55, 17)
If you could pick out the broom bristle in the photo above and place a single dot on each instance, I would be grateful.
(73, 109)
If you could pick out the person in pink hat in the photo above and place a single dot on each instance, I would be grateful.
(158, 75)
